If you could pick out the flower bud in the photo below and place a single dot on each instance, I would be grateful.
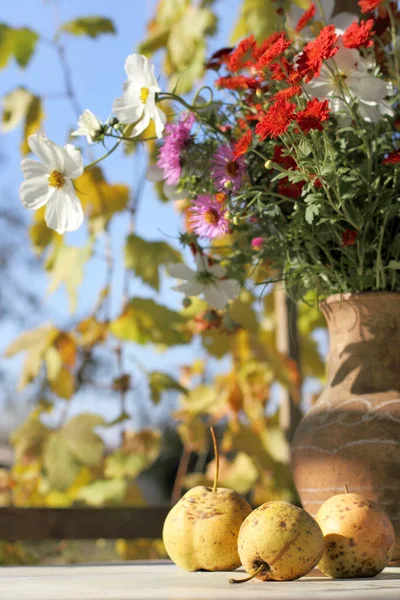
(268, 164)
(228, 185)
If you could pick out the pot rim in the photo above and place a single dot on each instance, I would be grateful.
(335, 298)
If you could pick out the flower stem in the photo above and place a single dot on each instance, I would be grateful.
(95, 162)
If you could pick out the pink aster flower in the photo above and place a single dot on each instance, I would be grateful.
(225, 171)
(208, 218)
(169, 157)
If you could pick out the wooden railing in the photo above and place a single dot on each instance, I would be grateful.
(38, 524)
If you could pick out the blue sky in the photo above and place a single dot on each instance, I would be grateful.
(98, 74)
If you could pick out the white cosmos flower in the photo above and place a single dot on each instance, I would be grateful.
(369, 91)
(138, 102)
(90, 126)
(206, 280)
(48, 182)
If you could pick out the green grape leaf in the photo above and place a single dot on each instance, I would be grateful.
(160, 382)
(91, 26)
(144, 321)
(146, 258)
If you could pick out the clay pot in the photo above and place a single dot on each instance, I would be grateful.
(352, 434)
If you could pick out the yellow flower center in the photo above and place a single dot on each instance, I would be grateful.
(56, 179)
(144, 94)
(211, 216)
(220, 197)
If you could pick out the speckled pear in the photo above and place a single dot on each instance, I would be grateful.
(279, 542)
(201, 530)
(359, 537)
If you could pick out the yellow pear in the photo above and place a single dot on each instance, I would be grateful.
(279, 542)
(200, 531)
(359, 537)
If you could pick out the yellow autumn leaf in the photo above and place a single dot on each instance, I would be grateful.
(91, 331)
(33, 121)
(41, 235)
(34, 343)
(66, 264)
(21, 106)
(258, 17)
(98, 197)
(63, 384)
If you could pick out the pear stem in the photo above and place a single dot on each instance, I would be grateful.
(346, 489)
(249, 578)
(216, 453)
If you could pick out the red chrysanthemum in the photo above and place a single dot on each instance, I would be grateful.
(349, 237)
(358, 35)
(316, 180)
(369, 5)
(392, 159)
(273, 52)
(287, 162)
(322, 48)
(282, 70)
(289, 189)
(242, 145)
(263, 47)
(240, 82)
(306, 18)
(276, 120)
(313, 115)
(287, 93)
(243, 55)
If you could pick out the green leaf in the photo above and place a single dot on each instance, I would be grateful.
(154, 41)
(66, 264)
(60, 464)
(144, 321)
(6, 44)
(146, 258)
(24, 45)
(86, 446)
(29, 438)
(202, 399)
(140, 450)
(160, 382)
(91, 26)
(394, 264)
(20, 43)
(104, 491)
(312, 210)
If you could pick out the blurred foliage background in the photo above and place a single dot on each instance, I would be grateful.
(254, 370)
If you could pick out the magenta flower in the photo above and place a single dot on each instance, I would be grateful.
(169, 157)
(225, 171)
(257, 243)
(208, 218)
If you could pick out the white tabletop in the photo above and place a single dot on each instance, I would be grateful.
(164, 581)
